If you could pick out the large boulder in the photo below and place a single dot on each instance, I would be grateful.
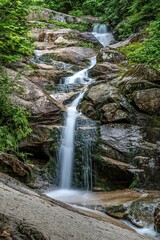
(42, 107)
(104, 102)
(109, 55)
(105, 70)
(44, 13)
(148, 101)
(67, 37)
(128, 144)
(74, 55)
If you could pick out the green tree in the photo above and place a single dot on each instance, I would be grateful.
(14, 40)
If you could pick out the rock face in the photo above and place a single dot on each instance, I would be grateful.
(148, 100)
(45, 120)
(45, 13)
(41, 106)
(74, 55)
(14, 167)
(66, 37)
(38, 217)
(157, 218)
(126, 107)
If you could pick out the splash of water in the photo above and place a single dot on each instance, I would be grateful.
(81, 77)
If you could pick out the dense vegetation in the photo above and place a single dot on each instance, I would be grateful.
(14, 43)
(13, 120)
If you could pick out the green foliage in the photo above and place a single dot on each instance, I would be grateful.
(77, 26)
(14, 125)
(93, 7)
(62, 6)
(14, 40)
(76, 13)
(148, 51)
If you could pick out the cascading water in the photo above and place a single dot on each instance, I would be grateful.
(66, 151)
(81, 77)
(103, 35)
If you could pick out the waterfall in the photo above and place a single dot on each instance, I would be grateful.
(81, 77)
(66, 151)
(85, 141)
(103, 35)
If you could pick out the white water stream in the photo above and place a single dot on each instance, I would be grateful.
(103, 35)
(81, 77)
(66, 150)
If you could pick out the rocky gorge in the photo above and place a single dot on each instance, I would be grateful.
(119, 120)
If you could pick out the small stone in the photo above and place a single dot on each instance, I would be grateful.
(5, 234)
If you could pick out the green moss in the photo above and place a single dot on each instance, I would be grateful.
(134, 184)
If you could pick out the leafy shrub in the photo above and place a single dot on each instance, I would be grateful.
(76, 13)
(148, 51)
(14, 41)
(14, 125)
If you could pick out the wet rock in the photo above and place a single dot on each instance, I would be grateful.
(34, 215)
(85, 142)
(144, 72)
(133, 38)
(124, 138)
(112, 113)
(48, 38)
(42, 146)
(148, 101)
(157, 218)
(41, 106)
(104, 69)
(14, 167)
(74, 55)
(127, 143)
(108, 55)
(102, 97)
(139, 212)
(113, 174)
